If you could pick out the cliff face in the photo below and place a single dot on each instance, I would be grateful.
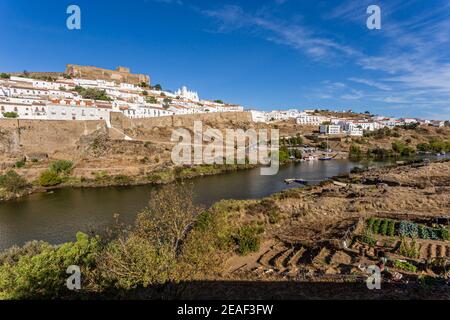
(31, 136)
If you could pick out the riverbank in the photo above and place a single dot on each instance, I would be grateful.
(103, 179)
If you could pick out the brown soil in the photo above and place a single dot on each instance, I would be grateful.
(316, 240)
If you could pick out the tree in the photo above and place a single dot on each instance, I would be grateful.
(157, 87)
(92, 93)
(145, 93)
(297, 154)
(355, 152)
(168, 217)
(323, 145)
(284, 154)
(5, 76)
(167, 102)
(151, 100)
(401, 148)
(218, 101)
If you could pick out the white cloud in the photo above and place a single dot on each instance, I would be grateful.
(299, 37)
(371, 83)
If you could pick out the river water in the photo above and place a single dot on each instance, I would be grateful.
(56, 217)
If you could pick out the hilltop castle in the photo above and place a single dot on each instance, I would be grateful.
(120, 75)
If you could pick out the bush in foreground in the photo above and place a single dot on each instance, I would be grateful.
(12, 182)
(41, 273)
(172, 240)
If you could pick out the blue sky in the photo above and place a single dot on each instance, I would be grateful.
(272, 54)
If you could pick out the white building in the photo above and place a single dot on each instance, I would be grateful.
(63, 112)
(330, 129)
(437, 123)
(23, 110)
(367, 126)
(389, 122)
(277, 116)
(409, 121)
(58, 100)
(354, 129)
(187, 94)
(258, 116)
(311, 120)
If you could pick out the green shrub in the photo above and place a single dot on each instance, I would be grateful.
(407, 249)
(444, 234)
(122, 179)
(10, 115)
(423, 232)
(367, 238)
(12, 182)
(376, 226)
(135, 262)
(408, 229)
(434, 234)
(274, 216)
(43, 274)
(62, 166)
(20, 164)
(247, 240)
(391, 228)
(403, 265)
(49, 178)
(384, 227)
(370, 223)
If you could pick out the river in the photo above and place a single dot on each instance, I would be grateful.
(56, 217)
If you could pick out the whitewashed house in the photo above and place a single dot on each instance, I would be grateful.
(311, 120)
(332, 129)
(258, 116)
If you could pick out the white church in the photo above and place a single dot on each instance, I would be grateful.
(187, 94)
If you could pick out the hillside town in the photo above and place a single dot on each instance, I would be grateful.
(93, 96)
(91, 93)
(333, 125)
